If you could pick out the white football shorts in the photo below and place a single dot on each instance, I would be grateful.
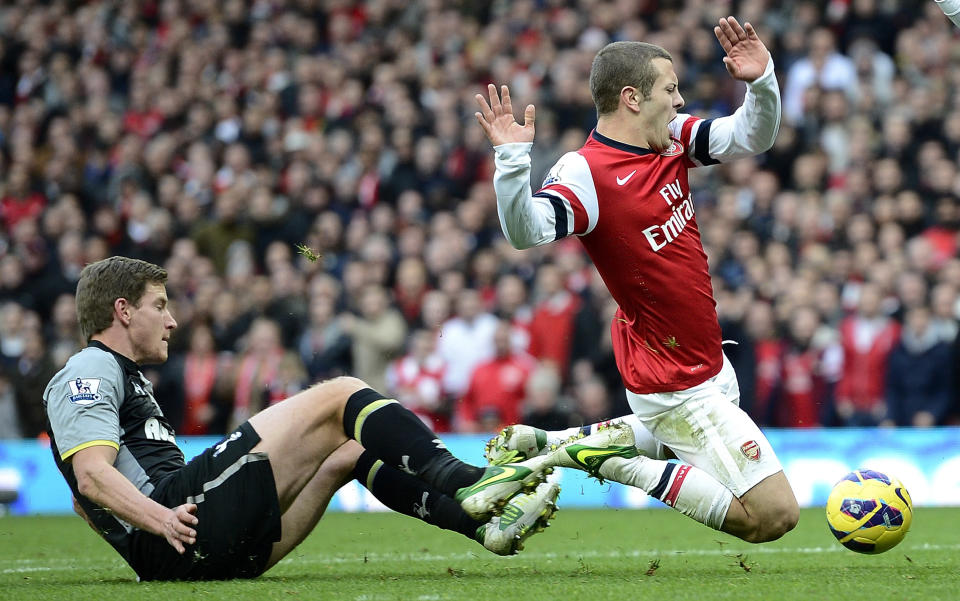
(705, 427)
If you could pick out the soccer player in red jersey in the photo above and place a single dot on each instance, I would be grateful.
(625, 193)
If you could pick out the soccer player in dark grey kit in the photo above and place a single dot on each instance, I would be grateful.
(243, 504)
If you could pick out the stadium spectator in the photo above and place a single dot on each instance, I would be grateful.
(9, 416)
(324, 347)
(802, 399)
(591, 402)
(554, 312)
(199, 396)
(416, 380)
(411, 287)
(33, 370)
(916, 393)
(466, 340)
(768, 348)
(258, 371)
(511, 305)
(497, 387)
(543, 407)
(377, 334)
(867, 338)
(823, 68)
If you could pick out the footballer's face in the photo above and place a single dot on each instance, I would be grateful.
(657, 111)
(151, 324)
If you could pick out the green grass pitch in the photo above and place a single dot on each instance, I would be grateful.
(584, 556)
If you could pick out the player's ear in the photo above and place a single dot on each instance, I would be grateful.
(121, 310)
(631, 97)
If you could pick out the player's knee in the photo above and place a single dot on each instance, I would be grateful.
(340, 464)
(339, 388)
(773, 524)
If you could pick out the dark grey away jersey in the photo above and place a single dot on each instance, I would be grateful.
(102, 398)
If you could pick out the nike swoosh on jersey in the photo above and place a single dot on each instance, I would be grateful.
(621, 181)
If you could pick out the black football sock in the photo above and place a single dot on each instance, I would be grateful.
(398, 437)
(411, 496)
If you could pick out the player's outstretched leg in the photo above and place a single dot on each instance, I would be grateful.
(587, 453)
(398, 437)
(519, 442)
(523, 515)
(609, 453)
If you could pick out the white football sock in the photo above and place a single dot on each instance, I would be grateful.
(690, 490)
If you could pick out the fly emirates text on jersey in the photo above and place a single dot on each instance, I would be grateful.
(660, 235)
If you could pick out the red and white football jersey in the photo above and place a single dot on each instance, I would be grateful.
(634, 214)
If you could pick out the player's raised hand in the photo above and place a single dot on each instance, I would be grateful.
(178, 526)
(746, 56)
(497, 120)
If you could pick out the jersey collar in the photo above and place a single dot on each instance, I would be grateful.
(619, 145)
(128, 365)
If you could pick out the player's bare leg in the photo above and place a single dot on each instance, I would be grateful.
(306, 510)
(518, 442)
(765, 513)
(300, 433)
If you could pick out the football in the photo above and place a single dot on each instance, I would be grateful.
(869, 512)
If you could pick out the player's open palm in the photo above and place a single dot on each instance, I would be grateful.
(497, 119)
(746, 55)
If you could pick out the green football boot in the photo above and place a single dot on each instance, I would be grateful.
(516, 443)
(499, 483)
(524, 515)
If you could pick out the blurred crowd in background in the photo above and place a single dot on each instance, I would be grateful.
(311, 175)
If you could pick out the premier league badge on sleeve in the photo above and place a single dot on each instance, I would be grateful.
(83, 391)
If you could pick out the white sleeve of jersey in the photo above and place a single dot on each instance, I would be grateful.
(531, 220)
(750, 130)
(753, 127)
(951, 8)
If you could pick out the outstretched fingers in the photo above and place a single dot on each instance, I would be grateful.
(494, 100)
(485, 110)
(733, 29)
(497, 119)
(729, 33)
(529, 116)
(505, 95)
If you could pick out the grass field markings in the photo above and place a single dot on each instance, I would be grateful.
(591, 554)
(54, 565)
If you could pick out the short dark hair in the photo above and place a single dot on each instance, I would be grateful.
(105, 281)
(622, 64)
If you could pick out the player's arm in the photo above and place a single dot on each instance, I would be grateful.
(525, 221)
(753, 127)
(951, 8)
(104, 485)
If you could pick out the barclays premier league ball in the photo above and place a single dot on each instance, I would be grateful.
(869, 512)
